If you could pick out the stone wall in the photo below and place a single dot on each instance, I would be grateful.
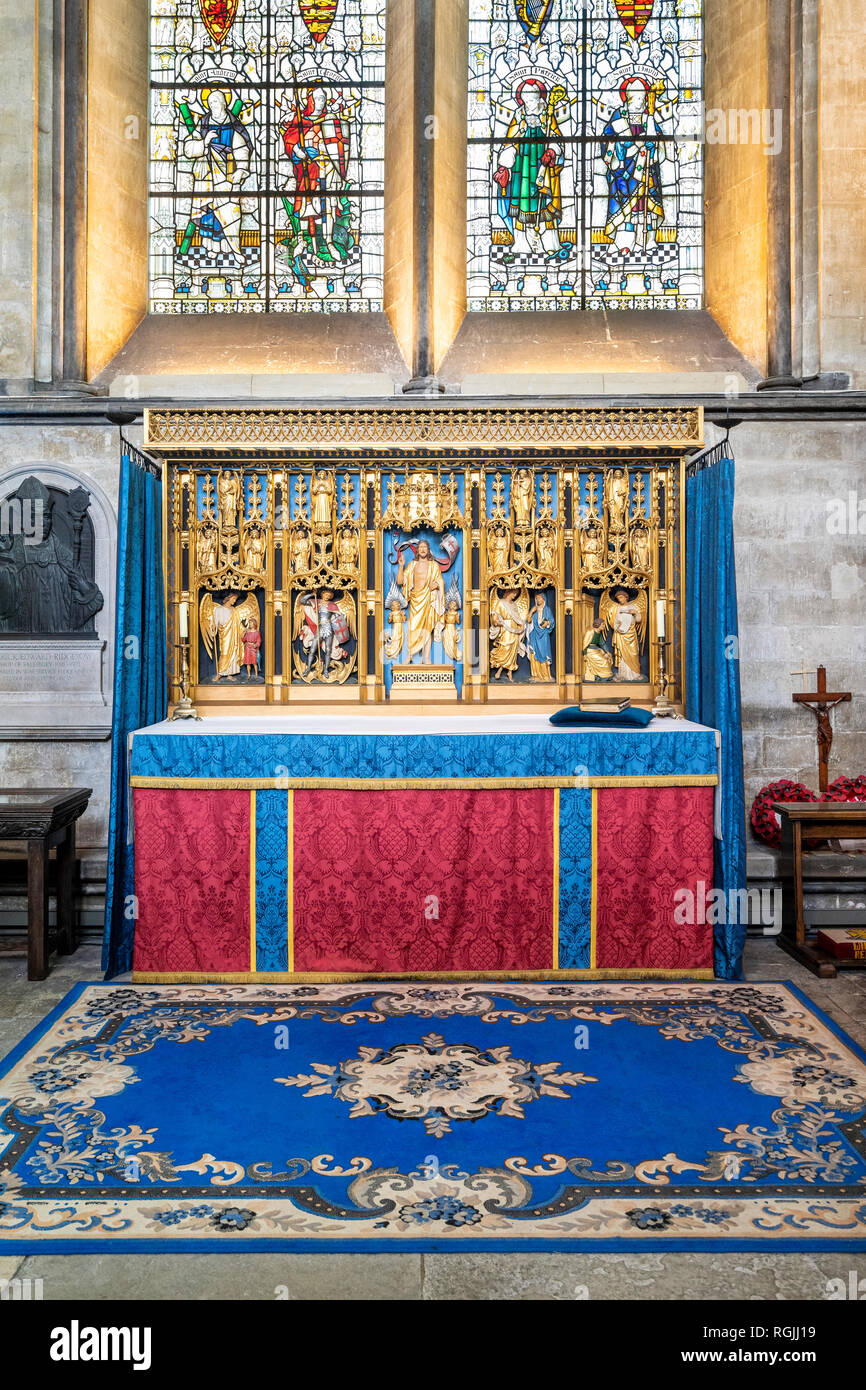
(449, 182)
(736, 176)
(18, 123)
(117, 178)
(801, 591)
(842, 145)
(399, 290)
(93, 453)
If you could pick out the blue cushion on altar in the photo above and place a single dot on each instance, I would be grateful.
(602, 718)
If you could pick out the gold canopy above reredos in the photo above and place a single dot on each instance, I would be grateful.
(424, 553)
(438, 426)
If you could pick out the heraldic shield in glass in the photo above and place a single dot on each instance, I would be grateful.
(266, 155)
(585, 178)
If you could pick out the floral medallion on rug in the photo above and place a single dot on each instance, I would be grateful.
(587, 1115)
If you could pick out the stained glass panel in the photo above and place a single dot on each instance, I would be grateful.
(266, 156)
(585, 167)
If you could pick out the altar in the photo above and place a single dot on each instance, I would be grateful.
(335, 846)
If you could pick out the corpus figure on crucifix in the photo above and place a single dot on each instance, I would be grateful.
(821, 702)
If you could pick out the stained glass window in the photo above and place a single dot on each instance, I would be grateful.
(585, 172)
(266, 155)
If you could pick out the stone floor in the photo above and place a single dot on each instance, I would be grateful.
(654, 1275)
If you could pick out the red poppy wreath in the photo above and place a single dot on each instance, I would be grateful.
(763, 819)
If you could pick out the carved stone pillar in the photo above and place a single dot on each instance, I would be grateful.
(70, 193)
(779, 278)
(422, 242)
(430, 92)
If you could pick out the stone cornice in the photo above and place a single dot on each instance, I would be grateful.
(45, 408)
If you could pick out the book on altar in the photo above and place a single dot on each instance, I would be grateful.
(617, 705)
(848, 943)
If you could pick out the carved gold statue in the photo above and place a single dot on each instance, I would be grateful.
(254, 550)
(616, 496)
(451, 633)
(424, 591)
(347, 549)
(545, 547)
(592, 549)
(222, 629)
(394, 637)
(229, 500)
(322, 492)
(639, 546)
(523, 497)
(300, 549)
(597, 660)
(627, 618)
(498, 548)
(206, 550)
(509, 612)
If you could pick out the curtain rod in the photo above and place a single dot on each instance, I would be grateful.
(140, 459)
(707, 457)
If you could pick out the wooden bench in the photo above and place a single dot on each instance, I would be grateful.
(45, 820)
(805, 824)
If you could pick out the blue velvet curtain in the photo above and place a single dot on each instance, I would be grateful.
(140, 692)
(713, 674)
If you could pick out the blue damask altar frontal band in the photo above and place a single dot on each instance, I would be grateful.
(644, 753)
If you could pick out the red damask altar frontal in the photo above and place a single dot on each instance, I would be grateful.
(192, 881)
(309, 877)
(415, 881)
(652, 843)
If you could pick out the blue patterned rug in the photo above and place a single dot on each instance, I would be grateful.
(607, 1116)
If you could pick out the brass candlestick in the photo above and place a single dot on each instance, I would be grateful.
(663, 708)
(184, 709)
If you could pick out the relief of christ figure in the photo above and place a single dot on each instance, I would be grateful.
(423, 589)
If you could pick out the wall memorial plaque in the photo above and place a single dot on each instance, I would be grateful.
(56, 563)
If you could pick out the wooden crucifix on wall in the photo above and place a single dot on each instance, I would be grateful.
(821, 702)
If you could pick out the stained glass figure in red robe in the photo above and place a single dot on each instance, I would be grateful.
(315, 125)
